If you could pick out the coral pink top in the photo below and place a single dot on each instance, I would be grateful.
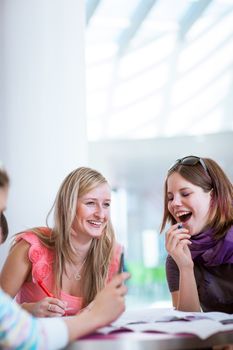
(42, 259)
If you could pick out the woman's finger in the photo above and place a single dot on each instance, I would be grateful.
(54, 310)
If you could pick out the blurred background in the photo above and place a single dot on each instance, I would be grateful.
(159, 87)
(123, 86)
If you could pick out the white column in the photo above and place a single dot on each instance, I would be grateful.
(42, 106)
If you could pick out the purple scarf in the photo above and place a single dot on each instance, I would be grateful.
(211, 252)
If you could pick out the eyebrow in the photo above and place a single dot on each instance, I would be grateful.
(181, 189)
(95, 199)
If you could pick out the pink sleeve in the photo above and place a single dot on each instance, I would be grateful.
(40, 256)
(114, 264)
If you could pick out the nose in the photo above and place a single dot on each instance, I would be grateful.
(176, 202)
(99, 212)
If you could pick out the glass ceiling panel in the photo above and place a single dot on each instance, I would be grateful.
(206, 44)
(194, 110)
(161, 84)
(204, 74)
(137, 115)
(146, 57)
(110, 18)
(131, 90)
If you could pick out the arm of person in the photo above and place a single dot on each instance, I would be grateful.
(177, 244)
(20, 330)
(106, 308)
(16, 271)
(187, 297)
(52, 334)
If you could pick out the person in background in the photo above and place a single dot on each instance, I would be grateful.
(20, 330)
(4, 228)
(198, 203)
(58, 271)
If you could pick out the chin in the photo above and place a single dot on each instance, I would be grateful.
(96, 234)
(194, 233)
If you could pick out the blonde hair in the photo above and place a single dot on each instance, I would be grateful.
(95, 269)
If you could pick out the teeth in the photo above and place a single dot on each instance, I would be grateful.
(182, 213)
(95, 222)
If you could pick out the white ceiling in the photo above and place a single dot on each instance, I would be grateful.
(159, 68)
(159, 87)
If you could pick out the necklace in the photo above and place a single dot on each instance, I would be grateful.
(76, 274)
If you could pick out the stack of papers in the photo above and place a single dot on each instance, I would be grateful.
(201, 324)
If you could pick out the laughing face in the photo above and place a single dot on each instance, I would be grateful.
(93, 213)
(188, 203)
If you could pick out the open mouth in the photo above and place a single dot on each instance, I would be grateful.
(184, 217)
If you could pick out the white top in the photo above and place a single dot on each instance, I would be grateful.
(19, 329)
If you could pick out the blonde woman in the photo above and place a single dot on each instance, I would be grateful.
(58, 271)
(18, 329)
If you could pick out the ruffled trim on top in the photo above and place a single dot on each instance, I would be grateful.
(40, 256)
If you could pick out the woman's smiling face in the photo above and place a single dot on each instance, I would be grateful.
(188, 203)
(93, 212)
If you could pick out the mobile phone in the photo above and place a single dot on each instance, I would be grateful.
(121, 263)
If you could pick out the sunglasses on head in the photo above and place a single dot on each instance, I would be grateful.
(190, 160)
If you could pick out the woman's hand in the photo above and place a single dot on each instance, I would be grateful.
(47, 307)
(106, 307)
(177, 242)
(110, 302)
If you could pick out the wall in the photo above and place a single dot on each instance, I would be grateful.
(42, 110)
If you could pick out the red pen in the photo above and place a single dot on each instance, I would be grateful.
(47, 292)
(45, 289)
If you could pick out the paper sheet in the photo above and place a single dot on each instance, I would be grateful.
(171, 321)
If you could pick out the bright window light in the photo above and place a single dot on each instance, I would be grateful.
(194, 111)
(211, 69)
(199, 49)
(150, 248)
(97, 52)
(96, 105)
(147, 56)
(99, 77)
(134, 116)
(141, 86)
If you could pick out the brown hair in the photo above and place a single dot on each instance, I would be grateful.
(4, 178)
(4, 182)
(221, 207)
